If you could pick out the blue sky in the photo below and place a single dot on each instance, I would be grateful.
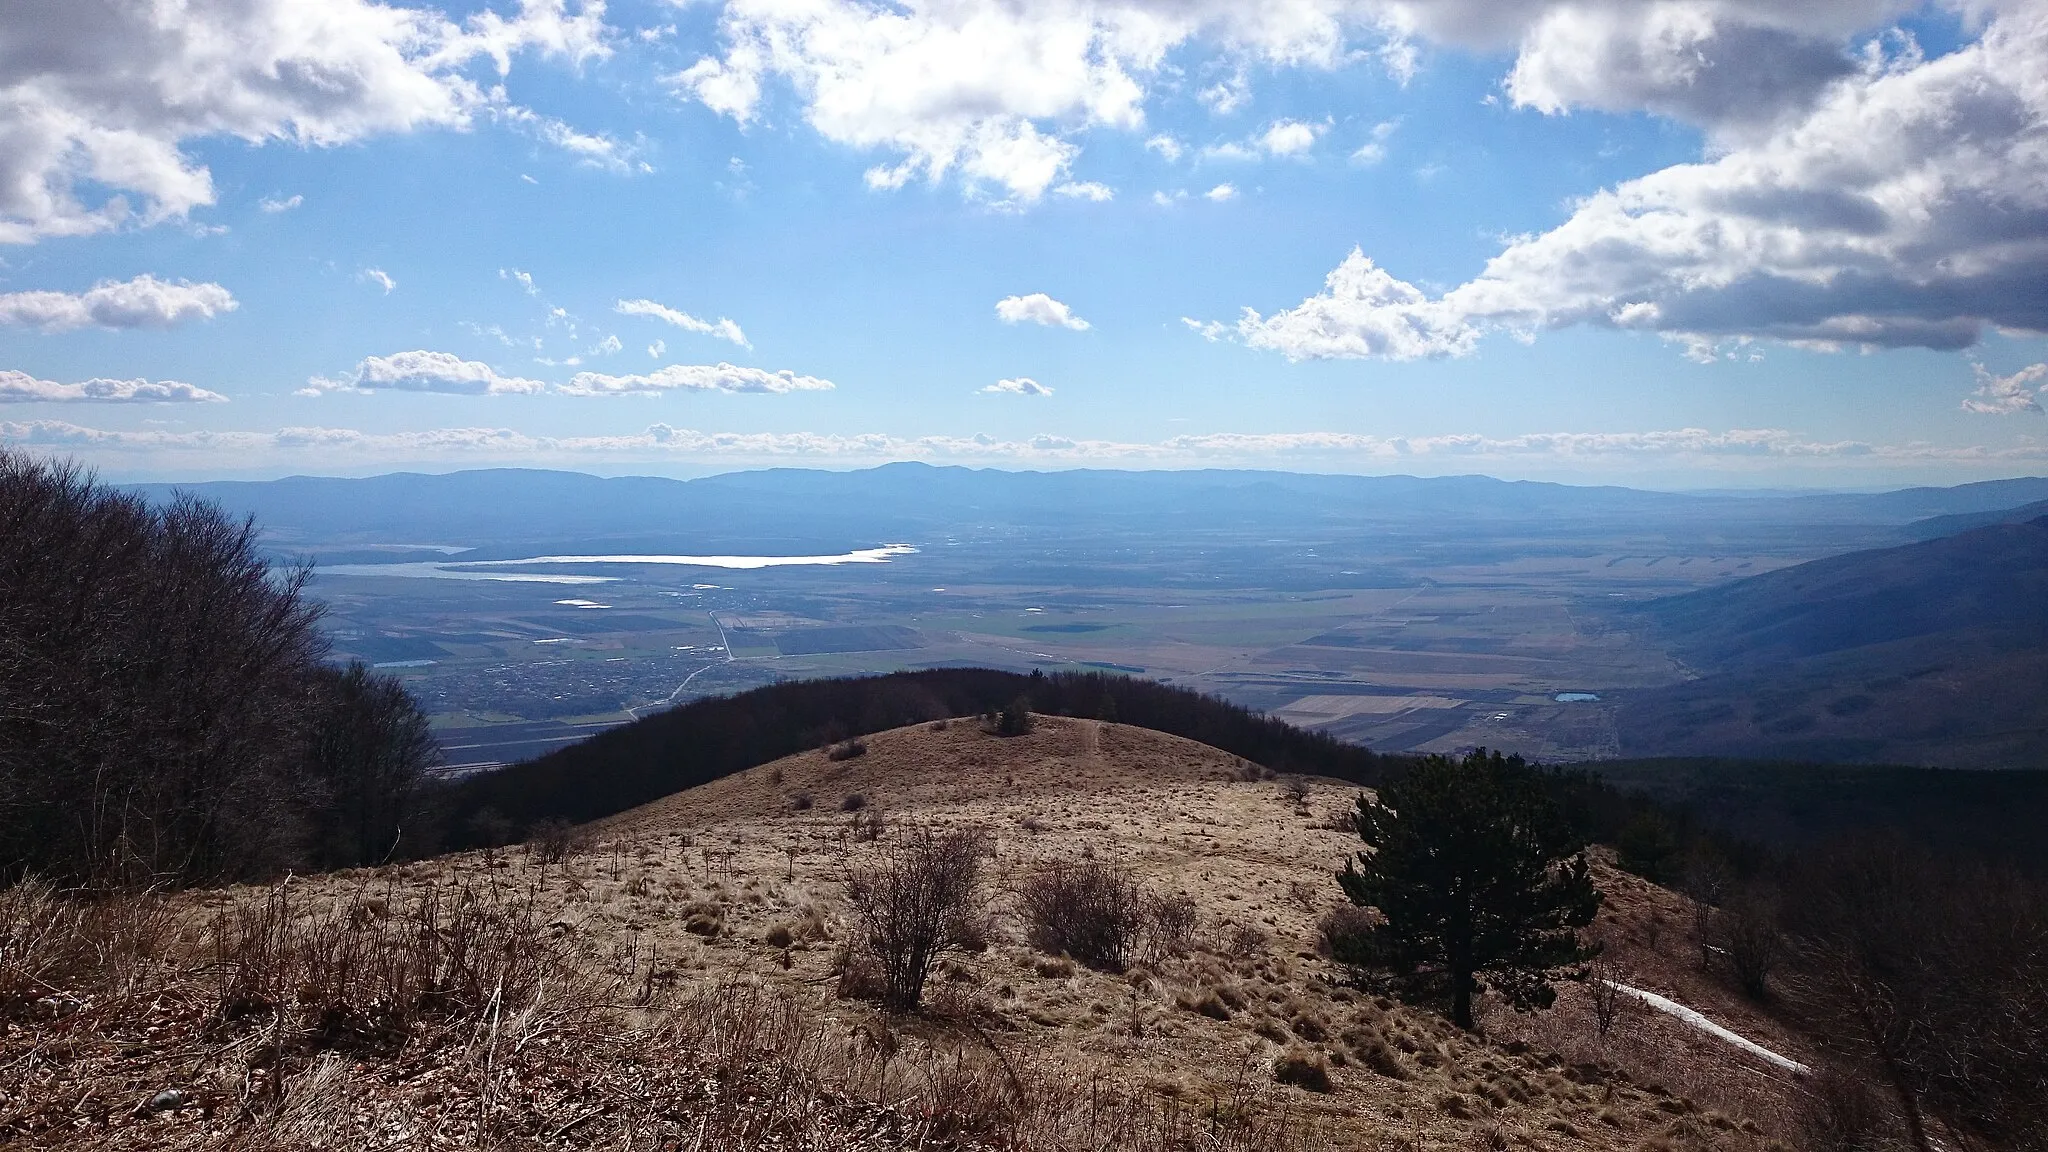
(1711, 243)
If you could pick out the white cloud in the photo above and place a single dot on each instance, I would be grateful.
(1374, 149)
(423, 371)
(1221, 192)
(144, 302)
(693, 378)
(986, 89)
(722, 328)
(607, 346)
(1000, 92)
(523, 279)
(1909, 207)
(2005, 395)
(273, 207)
(1168, 148)
(1227, 95)
(1168, 200)
(1085, 190)
(1021, 386)
(657, 349)
(1290, 137)
(99, 98)
(1038, 308)
(595, 150)
(378, 277)
(1361, 312)
(22, 388)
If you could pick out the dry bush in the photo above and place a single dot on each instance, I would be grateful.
(867, 825)
(801, 801)
(1609, 1004)
(915, 900)
(1751, 942)
(1090, 911)
(1295, 790)
(853, 802)
(56, 950)
(783, 1075)
(846, 750)
(1840, 1112)
(554, 840)
(361, 974)
(1170, 923)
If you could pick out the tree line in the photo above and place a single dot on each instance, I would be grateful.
(167, 714)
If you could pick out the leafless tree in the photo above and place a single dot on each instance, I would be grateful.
(161, 682)
(917, 898)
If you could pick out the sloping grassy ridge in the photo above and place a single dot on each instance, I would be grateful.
(710, 739)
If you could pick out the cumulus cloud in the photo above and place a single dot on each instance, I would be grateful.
(986, 89)
(144, 302)
(423, 371)
(1021, 386)
(1290, 137)
(1361, 312)
(722, 328)
(999, 93)
(99, 98)
(1221, 192)
(1038, 308)
(22, 388)
(1169, 149)
(1909, 207)
(2006, 395)
(721, 377)
(378, 277)
(274, 206)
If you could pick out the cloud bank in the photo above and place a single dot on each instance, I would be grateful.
(1021, 386)
(1907, 207)
(22, 388)
(721, 377)
(423, 371)
(144, 302)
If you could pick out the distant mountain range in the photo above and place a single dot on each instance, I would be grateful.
(1930, 653)
(810, 509)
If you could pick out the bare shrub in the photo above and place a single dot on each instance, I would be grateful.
(1088, 910)
(1750, 937)
(801, 801)
(913, 902)
(54, 949)
(867, 825)
(1294, 790)
(1170, 923)
(554, 840)
(853, 802)
(1609, 1004)
(847, 750)
(361, 975)
(1841, 1113)
(1343, 929)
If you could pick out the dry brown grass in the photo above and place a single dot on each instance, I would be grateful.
(674, 987)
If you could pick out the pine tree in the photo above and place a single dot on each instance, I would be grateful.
(1480, 884)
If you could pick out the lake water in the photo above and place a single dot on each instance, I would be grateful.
(479, 569)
